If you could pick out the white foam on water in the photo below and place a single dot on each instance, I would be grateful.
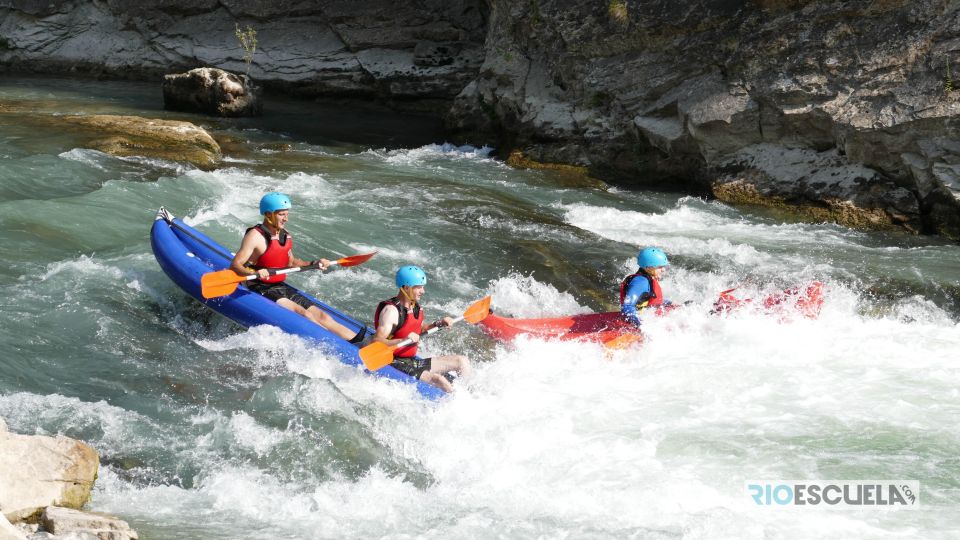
(112, 426)
(236, 194)
(93, 158)
(416, 156)
(525, 297)
(689, 230)
(82, 265)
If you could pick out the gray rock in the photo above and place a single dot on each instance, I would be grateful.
(212, 91)
(821, 185)
(69, 523)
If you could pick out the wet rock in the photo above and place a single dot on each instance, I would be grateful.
(66, 521)
(212, 91)
(41, 471)
(820, 186)
(171, 140)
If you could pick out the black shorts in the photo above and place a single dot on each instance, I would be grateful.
(413, 367)
(276, 291)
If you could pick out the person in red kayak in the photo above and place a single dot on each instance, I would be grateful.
(402, 317)
(267, 246)
(641, 289)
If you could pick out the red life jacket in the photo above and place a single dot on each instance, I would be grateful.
(277, 254)
(405, 326)
(654, 299)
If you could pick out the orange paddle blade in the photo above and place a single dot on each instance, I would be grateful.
(376, 355)
(623, 341)
(354, 260)
(222, 283)
(477, 311)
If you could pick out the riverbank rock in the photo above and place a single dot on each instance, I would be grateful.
(8, 531)
(212, 91)
(171, 140)
(39, 471)
(65, 521)
(650, 90)
(818, 186)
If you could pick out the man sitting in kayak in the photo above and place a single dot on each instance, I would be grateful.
(641, 290)
(269, 246)
(402, 317)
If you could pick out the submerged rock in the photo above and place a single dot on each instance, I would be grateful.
(171, 140)
(42, 471)
(65, 521)
(212, 91)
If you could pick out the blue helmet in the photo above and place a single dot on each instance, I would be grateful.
(411, 276)
(273, 201)
(652, 256)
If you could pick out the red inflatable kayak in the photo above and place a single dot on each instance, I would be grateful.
(607, 327)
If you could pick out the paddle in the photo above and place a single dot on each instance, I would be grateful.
(377, 355)
(224, 282)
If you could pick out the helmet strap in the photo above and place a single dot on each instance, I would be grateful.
(407, 295)
(271, 219)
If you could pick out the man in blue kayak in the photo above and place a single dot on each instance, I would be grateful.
(269, 246)
(402, 317)
(641, 289)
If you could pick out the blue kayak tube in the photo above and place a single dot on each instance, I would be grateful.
(186, 254)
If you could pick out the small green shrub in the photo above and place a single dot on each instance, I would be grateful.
(248, 42)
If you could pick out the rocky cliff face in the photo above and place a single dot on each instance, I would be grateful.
(827, 106)
(421, 52)
(856, 97)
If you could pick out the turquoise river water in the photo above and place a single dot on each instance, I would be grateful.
(209, 430)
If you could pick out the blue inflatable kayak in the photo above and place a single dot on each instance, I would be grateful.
(186, 254)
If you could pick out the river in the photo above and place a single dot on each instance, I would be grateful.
(209, 430)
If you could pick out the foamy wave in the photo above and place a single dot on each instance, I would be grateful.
(525, 297)
(237, 194)
(55, 414)
(417, 155)
(82, 265)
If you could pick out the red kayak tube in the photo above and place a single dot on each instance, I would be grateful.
(606, 327)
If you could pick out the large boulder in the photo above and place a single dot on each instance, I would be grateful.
(212, 91)
(39, 471)
(172, 140)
